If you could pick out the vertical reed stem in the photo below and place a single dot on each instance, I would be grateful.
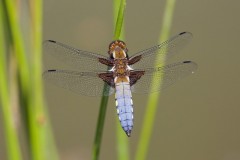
(104, 100)
(10, 128)
(152, 103)
(122, 145)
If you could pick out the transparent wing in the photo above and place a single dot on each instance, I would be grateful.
(166, 75)
(81, 60)
(160, 53)
(85, 83)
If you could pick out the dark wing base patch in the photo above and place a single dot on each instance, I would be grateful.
(106, 62)
(108, 78)
(135, 76)
(134, 60)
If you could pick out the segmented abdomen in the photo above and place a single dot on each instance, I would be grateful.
(124, 106)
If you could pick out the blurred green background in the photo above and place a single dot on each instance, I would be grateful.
(198, 117)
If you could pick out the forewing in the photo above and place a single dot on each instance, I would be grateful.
(160, 53)
(85, 83)
(166, 76)
(80, 60)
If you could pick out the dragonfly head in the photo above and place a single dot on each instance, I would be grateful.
(118, 50)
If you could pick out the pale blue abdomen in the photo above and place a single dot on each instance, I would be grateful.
(124, 106)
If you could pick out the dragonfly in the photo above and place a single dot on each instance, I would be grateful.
(96, 75)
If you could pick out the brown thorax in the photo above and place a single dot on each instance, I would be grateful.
(121, 67)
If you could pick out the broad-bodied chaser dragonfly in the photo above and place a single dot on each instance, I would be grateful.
(121, 73)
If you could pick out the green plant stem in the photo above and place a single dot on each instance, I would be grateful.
(13, 148)
(122, 143)
(152, 103)
(42, 141)
(104, 100)
(100, 125)
(39, 131)
(36, 116)
(122, 140)
(120, 6)
(24, 73)
(18, 43)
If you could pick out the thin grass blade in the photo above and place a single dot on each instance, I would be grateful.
(152, 103)
(122, 144)
(42, 139)
(10, 128)
(104, 99)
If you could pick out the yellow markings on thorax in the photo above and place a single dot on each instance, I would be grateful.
(121, 67)
(121, 71)
(119, 53)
